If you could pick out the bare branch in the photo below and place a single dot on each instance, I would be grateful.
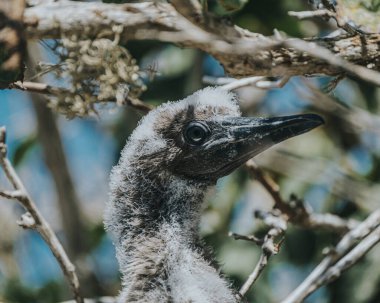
(322, 53)
(268, 246)
(270, 185)
(190, 9)
(280, 83)
(210, 80)
(329, 13)
(36, 87)
(351, 258)
(258, 81)
(43, 88)
(252, 278)
(310, 14)
(34, 219)
(250, 238)
(296, 211)
(241, 52)
(341, 257)
(356, 119)
(138, 104)
(15, 194)
(242, 82)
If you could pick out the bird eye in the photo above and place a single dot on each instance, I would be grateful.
(196, 133)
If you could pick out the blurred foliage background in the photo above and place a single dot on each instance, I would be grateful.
(65, 165)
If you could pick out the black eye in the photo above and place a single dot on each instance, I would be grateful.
(196, 133)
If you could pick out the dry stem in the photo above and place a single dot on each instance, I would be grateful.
(354, 245)
(268, 244)
(33, 219)
(43, 88)
(358, 240)
(297, 212)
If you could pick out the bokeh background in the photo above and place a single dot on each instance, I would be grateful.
(65, 164)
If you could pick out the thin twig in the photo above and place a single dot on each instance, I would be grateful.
(257, 81)
(328, 13)
(340, 258)
(138, 104)
(252, 278)
(326, 55)
(43, 88)
(310, 14)
(250, 238)
(36, 87)
(280, 83)
(242, 82)
(210, 80)
(268, 247)
(351, 258)
(15, 194)
(296, 211)
(333, 83)
(270, 185)
(33, 219)
(191, 10)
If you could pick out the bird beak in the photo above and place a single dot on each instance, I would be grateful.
(264, 131)
(251, 136)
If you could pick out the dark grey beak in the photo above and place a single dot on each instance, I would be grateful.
(248, 137)
(272, 130)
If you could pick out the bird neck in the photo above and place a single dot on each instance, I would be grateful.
(155, 222)
(154, 218)
(175, 201)
(142, 202)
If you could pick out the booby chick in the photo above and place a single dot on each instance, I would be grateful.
(177, 152)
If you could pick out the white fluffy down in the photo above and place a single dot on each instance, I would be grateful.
(190, 277)
(214, 97)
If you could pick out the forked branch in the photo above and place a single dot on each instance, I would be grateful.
(33, 219)
(358, 239)
(350, 249)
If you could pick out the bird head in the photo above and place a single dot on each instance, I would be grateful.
(204, 137)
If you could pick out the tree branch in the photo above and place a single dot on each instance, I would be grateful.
(43, 88)
(310, 14)
(296, 211)
(345, 254)
(33, 219)
(268, 244)
(324, 54)
(243, 54)
(339, 259)
(191, 10)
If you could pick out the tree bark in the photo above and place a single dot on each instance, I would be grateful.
(242, 53)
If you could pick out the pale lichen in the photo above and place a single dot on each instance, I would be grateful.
(97, 70)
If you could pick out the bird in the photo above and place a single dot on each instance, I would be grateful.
(174, 156)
